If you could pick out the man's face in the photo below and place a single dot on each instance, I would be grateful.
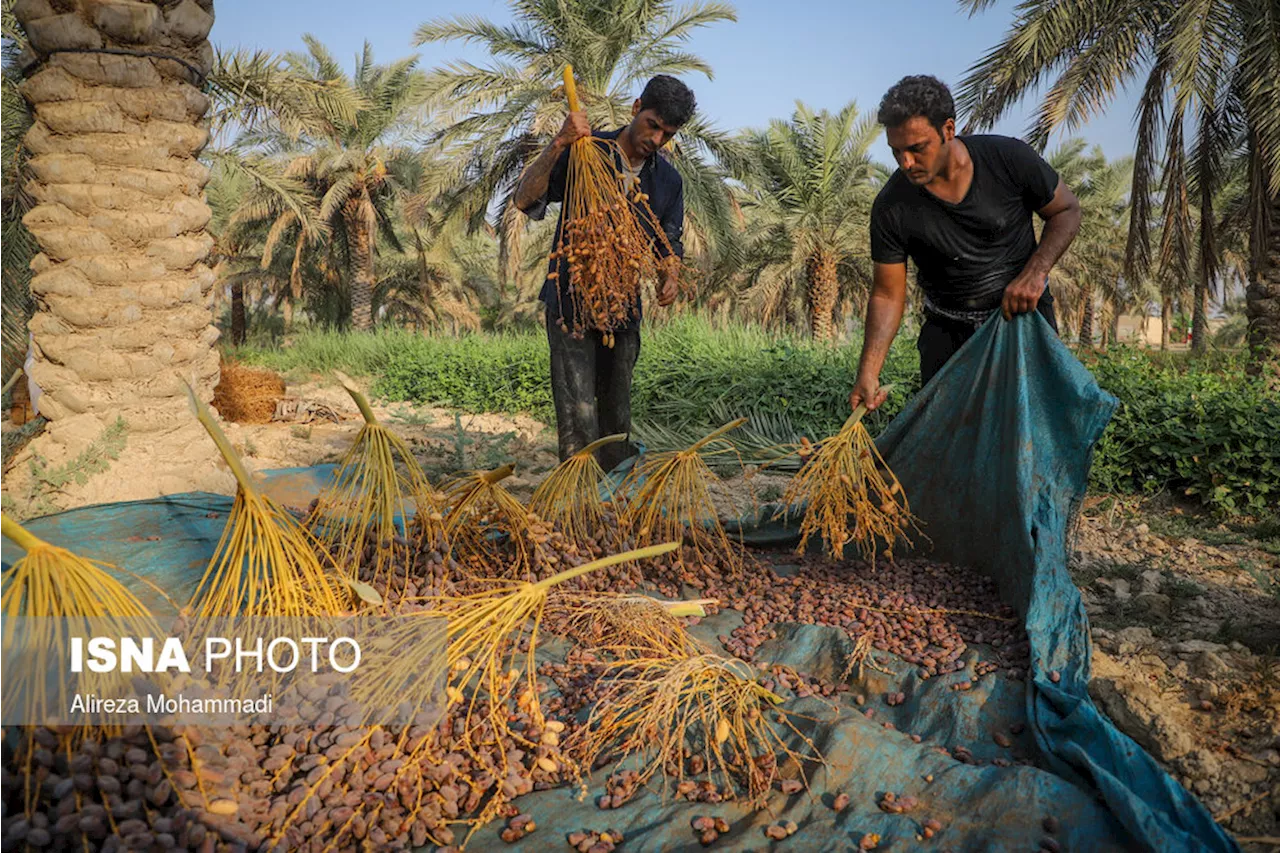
(921, 151)
(648, 131)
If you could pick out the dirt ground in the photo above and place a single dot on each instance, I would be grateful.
(1185, 616)
(1186, 632)
(444, 441)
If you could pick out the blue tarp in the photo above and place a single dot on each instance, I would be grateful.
(994, 456)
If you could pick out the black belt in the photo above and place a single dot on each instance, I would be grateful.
(944, 320)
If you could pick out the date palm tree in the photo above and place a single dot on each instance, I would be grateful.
(1093, 269)
(498, 116)
(265, 218)
(16, 243)
(111, 163)
(357, 167)
(1213, 66)
(273, 240)
(808, 184)
(263, 223)
(322, 186)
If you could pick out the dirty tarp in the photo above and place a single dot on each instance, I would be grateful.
(167, 540)
(994, 455)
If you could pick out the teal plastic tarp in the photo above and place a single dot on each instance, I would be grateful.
(994, 456)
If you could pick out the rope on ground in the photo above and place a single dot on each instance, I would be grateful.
(1242, 807)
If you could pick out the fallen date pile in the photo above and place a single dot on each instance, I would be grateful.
(306, 786)
(928, 613)
(330, 785)
(430, 571)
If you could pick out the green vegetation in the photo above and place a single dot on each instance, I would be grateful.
(1208, 433)
(1191, 427)
(473, 373)
(40, 495)
(322, 351)
(378, 195)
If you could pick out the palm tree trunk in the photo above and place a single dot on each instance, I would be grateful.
(1262, 297)
(1086, 317)
(360, 231)
(1200, 314)
(1208, 254)
(122, 291)
(1166, 320)
(239, 320)
(824, 288)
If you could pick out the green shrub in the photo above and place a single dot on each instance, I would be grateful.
(686, 369)
(322, 351)
(1198, 428)
(479, 373)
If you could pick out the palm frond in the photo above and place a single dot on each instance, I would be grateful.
(252, 87)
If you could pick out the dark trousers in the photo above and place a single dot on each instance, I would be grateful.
(941, 338)
(591, 387)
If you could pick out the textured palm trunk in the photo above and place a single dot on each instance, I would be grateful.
(123, 296)
(1086, 317)
(1166, 321)
(360, 229)
(239, 318)
(1208, 259)
(1200, 316)
(824, 289)
(1263, 299)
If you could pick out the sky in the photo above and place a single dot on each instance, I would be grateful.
(824, 52)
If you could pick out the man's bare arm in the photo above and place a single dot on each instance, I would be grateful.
(533, 183)
(1061, 222)
(884, 317)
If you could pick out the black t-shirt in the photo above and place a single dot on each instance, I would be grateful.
(966, 253)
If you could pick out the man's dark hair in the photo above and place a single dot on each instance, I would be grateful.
(917, 95)
(669, 98)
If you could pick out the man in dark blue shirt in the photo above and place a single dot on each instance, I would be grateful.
(591, 382)
(960, 208)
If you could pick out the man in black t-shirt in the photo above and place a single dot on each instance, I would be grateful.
(960, 208)
(591, 382)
